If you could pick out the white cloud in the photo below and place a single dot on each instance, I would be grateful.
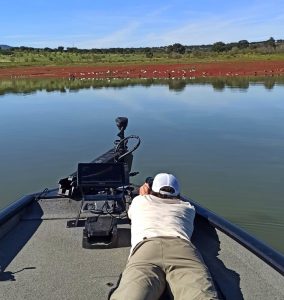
(158, 27)
(210, 29)
(120, 37)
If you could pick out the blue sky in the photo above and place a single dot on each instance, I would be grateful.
(104, 24)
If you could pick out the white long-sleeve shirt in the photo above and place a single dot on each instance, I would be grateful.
(152, 216)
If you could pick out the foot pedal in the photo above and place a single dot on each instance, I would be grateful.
(100, 232)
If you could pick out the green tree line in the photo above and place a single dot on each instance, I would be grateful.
(270, 44)
(243, 49)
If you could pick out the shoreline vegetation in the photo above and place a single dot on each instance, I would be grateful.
(63, 85)
(175, 61)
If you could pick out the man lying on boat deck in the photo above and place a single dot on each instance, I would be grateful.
(162, 254)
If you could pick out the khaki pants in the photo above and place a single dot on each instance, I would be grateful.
(159, 262)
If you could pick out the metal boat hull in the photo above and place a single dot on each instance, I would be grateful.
(41, 258)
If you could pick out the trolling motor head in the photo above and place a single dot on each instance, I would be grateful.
(121, 123)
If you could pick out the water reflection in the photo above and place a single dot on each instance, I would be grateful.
(29, 86)
(222, 137)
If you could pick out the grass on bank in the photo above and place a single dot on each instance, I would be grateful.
(26, 58)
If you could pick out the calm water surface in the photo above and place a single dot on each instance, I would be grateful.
(224, 140)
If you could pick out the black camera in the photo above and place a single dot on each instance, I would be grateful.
(149, 180)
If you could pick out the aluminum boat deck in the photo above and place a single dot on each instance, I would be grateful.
(41, 258)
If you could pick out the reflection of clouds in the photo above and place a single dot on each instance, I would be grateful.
(269, 142)
(195, 101)
(160, 102)
(126, 97)
(139, 98)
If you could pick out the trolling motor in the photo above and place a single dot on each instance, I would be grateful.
(104, 190)
(119, 153)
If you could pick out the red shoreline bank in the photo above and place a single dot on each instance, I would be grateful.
(214, 69)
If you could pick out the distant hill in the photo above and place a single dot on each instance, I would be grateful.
(4, 47)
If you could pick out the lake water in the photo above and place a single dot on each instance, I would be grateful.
(224, 139)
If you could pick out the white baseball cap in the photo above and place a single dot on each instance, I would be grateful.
(165, 180)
